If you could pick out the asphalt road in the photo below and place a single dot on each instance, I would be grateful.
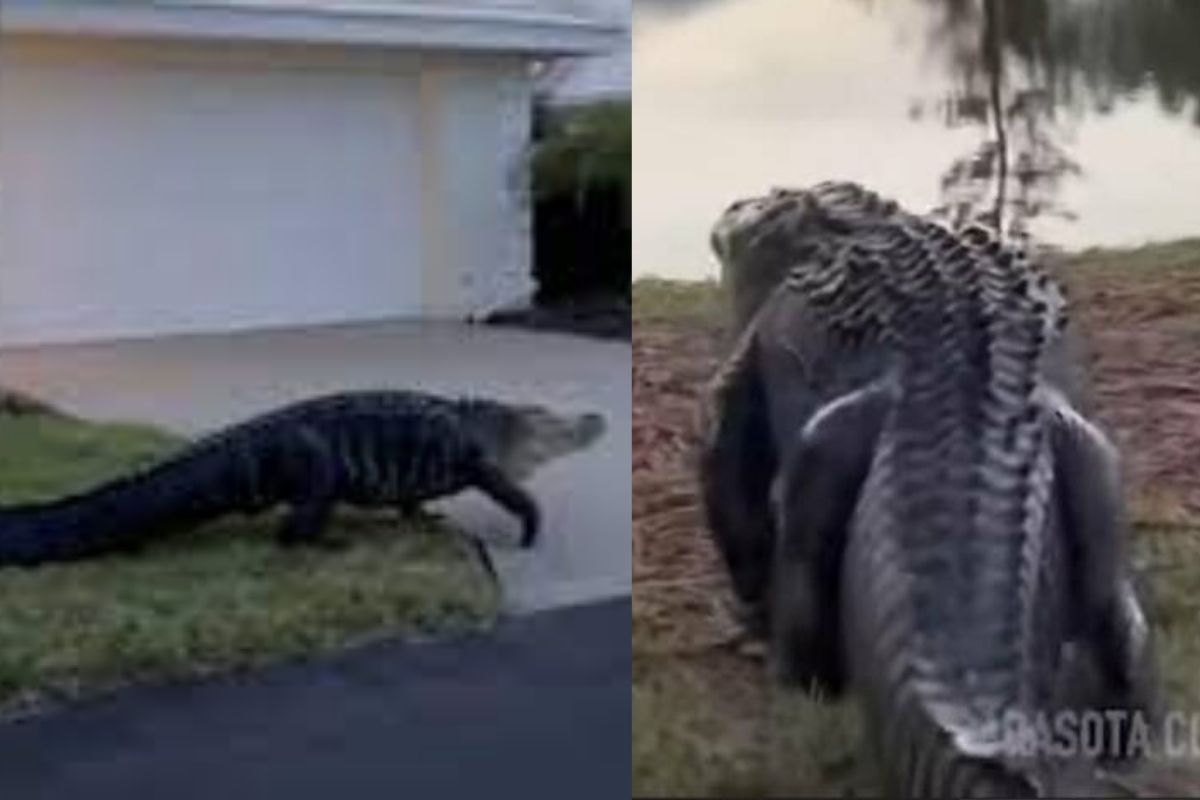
(538, 709)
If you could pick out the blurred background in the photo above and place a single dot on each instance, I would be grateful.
(1075, 120)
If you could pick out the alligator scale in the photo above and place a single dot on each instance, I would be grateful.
(370, 449)
(907, 498)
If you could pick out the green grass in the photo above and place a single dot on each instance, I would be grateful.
(698, 732)
(656, 300)
(1158, 256)
(220, 598)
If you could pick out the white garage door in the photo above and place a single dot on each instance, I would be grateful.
(139, 199)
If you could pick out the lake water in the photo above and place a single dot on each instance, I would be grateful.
(1087, 108)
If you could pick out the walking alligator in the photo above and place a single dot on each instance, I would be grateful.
(905, 495)
(369, 449)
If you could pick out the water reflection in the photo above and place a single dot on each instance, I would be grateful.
(1021, 65)
(1076, 120)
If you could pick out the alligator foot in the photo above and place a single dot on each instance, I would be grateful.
(805, 647)
(305, 525)
(493, 482)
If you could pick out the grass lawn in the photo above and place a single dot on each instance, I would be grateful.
(223, 597)
(707, 722)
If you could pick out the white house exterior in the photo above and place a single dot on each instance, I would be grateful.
(212, 166)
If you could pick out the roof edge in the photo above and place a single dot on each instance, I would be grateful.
(401, 26)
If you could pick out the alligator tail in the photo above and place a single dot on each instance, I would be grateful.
(115, 515)
(930, 739)
(951, 623)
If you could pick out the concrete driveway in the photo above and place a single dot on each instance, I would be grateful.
(192, 384)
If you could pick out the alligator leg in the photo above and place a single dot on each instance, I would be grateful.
(1115, 627)
(480, 551)
(737, 466)
(310, 479)
(815, 498)
(492, 481)
(305, 524)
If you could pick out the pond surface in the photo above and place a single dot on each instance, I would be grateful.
(1076, 122)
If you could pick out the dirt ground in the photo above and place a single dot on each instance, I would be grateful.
(1143, 328)
(1140, 311)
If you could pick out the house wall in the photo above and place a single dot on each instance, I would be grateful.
(475, 120)
(149, 189)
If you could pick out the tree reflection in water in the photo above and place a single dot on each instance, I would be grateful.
(1023, 70)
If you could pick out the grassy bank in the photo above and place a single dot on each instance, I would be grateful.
(659, 301)
(220, 598)
(706, 722)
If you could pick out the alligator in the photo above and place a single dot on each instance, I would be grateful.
(366, 448)
(906, 497)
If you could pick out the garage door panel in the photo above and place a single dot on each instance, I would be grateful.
(148, 198)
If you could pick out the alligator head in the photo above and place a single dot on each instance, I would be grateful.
(521, 438)
(758, 240)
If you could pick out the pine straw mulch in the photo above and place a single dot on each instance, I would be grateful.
(681, 602)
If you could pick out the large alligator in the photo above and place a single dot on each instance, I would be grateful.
(370, 449)
(905, 496)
